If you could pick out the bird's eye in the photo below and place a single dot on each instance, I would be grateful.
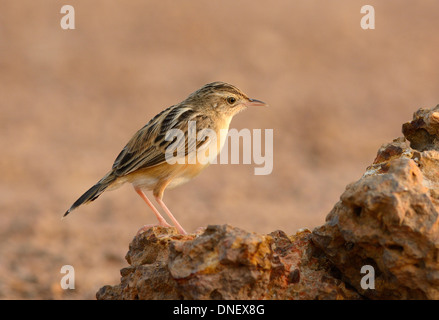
(231, 100)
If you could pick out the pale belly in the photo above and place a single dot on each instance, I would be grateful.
(145, 182)
(176, 174)
(178, 181)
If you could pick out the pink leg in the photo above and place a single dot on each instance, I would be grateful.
(162, 221)
(165, 208)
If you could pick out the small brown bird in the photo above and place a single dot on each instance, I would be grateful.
(144, 162)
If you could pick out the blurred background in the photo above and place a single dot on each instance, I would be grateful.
(71, 99)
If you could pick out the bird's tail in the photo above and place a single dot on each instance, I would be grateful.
(94, 192)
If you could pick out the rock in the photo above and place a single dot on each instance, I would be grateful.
(387, 220)
(225, 262)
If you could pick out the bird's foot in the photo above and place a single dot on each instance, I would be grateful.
(181, 230)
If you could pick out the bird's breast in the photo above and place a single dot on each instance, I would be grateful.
(221, 132)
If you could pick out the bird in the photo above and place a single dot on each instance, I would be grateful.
(144, 161)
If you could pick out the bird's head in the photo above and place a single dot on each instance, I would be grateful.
(222, 98)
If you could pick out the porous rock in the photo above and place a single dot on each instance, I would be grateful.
(389, 219)
(225, 262)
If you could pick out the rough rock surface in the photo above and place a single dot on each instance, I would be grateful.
(388, 220)
(225, 263)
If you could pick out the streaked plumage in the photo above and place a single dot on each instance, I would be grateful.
(142, 161)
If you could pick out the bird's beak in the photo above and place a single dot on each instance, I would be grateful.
(255, 103)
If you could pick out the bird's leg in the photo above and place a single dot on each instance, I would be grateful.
(165, 208)
(162, 221)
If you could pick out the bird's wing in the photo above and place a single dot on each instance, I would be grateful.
(148, 146)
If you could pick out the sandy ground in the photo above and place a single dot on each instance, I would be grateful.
(71, 99)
